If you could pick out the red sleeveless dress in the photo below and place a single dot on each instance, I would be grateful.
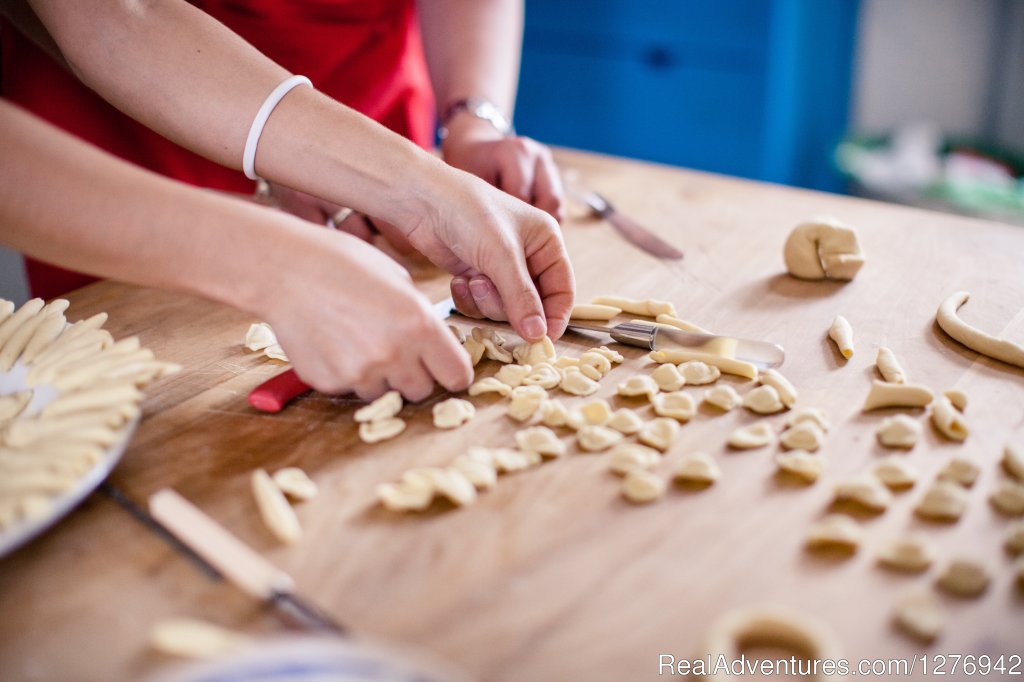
(366, 54)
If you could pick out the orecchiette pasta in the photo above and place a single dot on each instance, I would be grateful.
(553, 413)
(525, 401)
(513, 375)
(614, 356)
(381, 429)
(641, 486)
(593, 438)
(697, 373)
(723, 397)
(785, 389)
(960, 470)
(944, 501)
(540, 439)
(724, 364)
(544, 375)
(676, 405)
(801, 464)
(899, 431)
(910, 554)
(815, 414)
(805, 435)
(698, 467)
(763, 400)
(835, 530)
(574, 382)
(895, 472)
(842, 334)
(626, 421)
(1008, 497)
(490, 385)
(865, 490)
(668, 377)
(388, 405)
(751, 436)
(963, 577)
(534, 353)
(659, 433)
(920, 615)
(452, 413)
(1013, 461)
(626, 456)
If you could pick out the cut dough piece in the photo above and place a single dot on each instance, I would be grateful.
(801, 464)
(599, 362)
(475, 349)
(668, 377)
(384, 407)
(594, 311)
(884, 394)
(593, 438)
(960, 470)
(490, 385)
(192, 638)
(698, 373)
(889, 367)
(725, 364)
(1008, 498)
(295, 483)
(554, 413)
(638, 385)
(493, 343)
(381, 429)
(972, 337)
(822, 247)
(659, 433)
(785, 389)
(698, 467)
(763, 400)
(405, 496)
(540, 439)
(648, 308)
(1014, 542)
(525, 402)
(865, 490)
(964, 577)
(259, 336)
(534, 353)
(909, 555)
(481, 473)
(626, 456)
(676, 405)
(453, 413)
(944, 501)
(1013, 461)
(673, 321)
(276, 352)
(596, 412)
(642, 487)
(957, 398)
(574, 382)
(625, 421)
(835, 531)
(590, 372)
(803, 436)
(777, 627)
(723, 397)
(814, 414)
(920, 615)
(544, 375)
(842, 333)
(508, 461)
(895, 472)
(947, 420)
(277, 514)
(899, 431)
(752, 436)
(454, 485)
(513, 375)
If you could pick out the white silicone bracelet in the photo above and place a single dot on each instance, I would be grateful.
(249, 156)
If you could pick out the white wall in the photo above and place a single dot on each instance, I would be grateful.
(945, 61)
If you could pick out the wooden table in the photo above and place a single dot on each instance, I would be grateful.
(552, 575)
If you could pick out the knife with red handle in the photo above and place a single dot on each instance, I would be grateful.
(272, 395)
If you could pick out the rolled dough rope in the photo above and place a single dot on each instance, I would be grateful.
(105, 367)
(35, 482)
(190, 638)
(594, 311)
(27, 431)
(774, 626)
(884, 394)
(889, 367)
(104, 396)
(842, 333)
(56, 453)
(972, 337)
(44, 336)
(686, 326)
(727, 365)
(19, 340)
(648, 307)
(12, 405)
(48, 364)
(277, 514)
(14, 322)
(823, 247)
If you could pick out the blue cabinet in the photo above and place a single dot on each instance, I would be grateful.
(755, 88)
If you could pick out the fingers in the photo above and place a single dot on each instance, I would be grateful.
(547, 186)
(463, 298)
(516, 169)
(486, 297)
(357, 226)
(521, 300)
(445, 359)
(411, 378)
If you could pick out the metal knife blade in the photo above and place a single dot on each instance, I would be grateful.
(631, 230)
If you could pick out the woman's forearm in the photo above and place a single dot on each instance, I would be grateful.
(185, 75)
(472, 49)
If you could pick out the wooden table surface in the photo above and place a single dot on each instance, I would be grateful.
(552, 575)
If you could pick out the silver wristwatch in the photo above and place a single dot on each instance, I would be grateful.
(481, 108)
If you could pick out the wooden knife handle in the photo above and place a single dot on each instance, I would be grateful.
(272, 395)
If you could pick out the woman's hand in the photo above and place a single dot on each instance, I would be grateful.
(507, 257)
(518, 165)
(351, 320)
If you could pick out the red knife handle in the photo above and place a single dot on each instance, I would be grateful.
(272, 395)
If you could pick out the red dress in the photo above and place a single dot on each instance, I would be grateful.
(366, 54)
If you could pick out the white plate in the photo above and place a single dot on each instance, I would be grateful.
(13, 381)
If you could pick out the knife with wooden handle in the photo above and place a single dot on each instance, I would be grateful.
(272, 395)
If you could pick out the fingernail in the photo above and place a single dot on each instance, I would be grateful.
(460, 287)
(479, 288)
(534, 327)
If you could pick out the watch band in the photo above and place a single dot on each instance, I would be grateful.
(480, 108)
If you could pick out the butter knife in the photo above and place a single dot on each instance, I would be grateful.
(627, 227)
